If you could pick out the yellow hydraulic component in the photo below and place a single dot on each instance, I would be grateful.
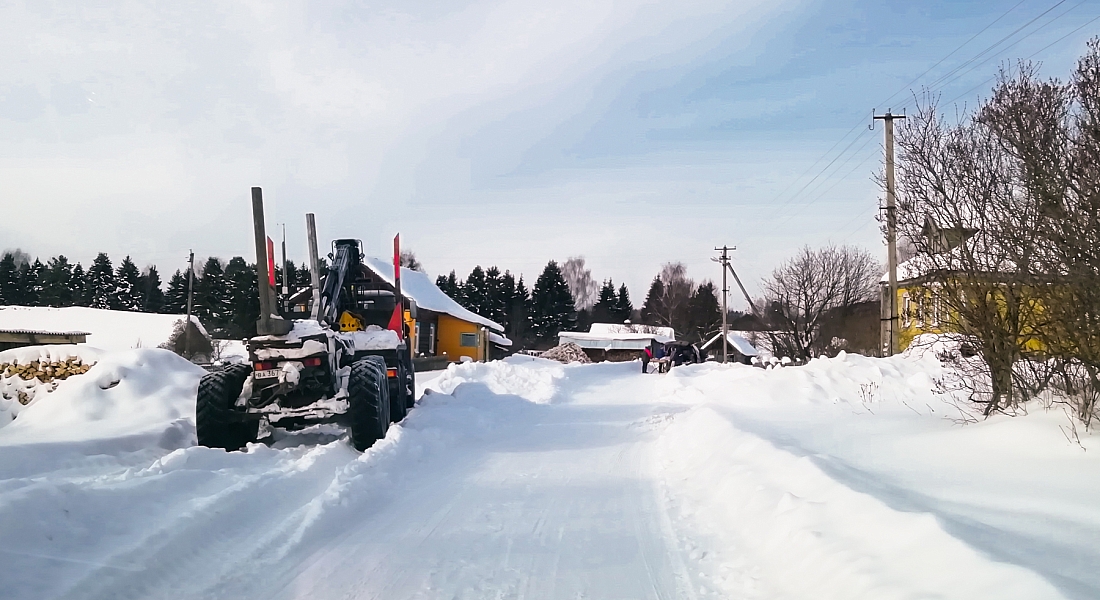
(350, 322)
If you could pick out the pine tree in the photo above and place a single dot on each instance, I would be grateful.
(212, 303)
(127, 293)
(507, 295)
(495, 296)
(175, 299)
(78, 283)
(518, 314)
(651, 308)
(151, 294)
(623, 308)
(552, 307)
(100, 282)
(10, 292)
(57, 285)
(32, 282)
(704, 313)
(605, 308)
(474, 292)
(244, 299)
(450, 286)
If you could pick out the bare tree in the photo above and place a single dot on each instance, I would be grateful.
(409, 261)
(676, 291)
(800, 293)
(1050, 133)
(585, 290)
(960, 205)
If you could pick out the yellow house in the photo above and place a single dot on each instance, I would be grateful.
(440, 326)
(921, 299)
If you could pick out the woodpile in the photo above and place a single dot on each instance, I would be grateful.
(567, 353)
(36, 373)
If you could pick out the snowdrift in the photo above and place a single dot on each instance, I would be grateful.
(127, 393)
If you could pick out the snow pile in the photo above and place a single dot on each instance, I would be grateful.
(109, 329)
(300, 328)
(372, 338)
(27, 374)
(533, 379)
(126, 393)
(567, 353)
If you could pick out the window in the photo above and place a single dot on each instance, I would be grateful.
(467, 340)
(906, 308)
(431, 339)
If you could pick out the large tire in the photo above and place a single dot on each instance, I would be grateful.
(368, 402)
(215, 424)
(399, 403)
(410, 386)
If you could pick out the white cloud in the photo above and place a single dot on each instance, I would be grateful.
(451, 123)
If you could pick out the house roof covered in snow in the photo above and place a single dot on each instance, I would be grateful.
(42, 331)
(737, 342)
(105, 329)
(665, 334)
(423, 291)
(612, 336)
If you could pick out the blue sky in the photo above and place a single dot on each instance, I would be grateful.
(506, 133)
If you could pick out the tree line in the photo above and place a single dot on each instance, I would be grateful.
(564, 296)
(224, 293)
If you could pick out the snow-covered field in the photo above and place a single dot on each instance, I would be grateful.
(846, 478)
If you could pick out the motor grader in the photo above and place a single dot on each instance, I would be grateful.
(350, 363)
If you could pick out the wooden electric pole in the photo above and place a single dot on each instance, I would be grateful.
(891, 232)
(190, 291)
(724, 260)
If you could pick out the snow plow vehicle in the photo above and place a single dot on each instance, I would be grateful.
(349, 364)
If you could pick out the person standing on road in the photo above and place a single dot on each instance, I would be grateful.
(647, 354)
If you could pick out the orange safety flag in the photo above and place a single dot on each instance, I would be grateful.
(399, 309)
(271, 262)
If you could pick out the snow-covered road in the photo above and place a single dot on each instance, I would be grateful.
(529, 479)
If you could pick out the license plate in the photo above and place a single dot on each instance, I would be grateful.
(266, 374)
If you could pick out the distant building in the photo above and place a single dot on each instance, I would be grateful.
(617, 342)
(738, 347)
(104, 329)
(18, 338)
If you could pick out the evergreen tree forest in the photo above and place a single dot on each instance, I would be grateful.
(224, 295)
(225, 299)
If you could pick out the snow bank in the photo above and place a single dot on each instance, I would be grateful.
(110, 329)
(533, 379)
(126, 393)
(810, 535)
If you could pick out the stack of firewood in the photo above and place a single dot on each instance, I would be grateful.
(34, 374)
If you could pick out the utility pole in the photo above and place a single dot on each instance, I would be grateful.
(190, 289)
(724, 260)
(891, 230)
(286, 273)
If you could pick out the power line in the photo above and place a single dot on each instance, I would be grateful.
(887, 101)
(1033, 55)
(943, 78)
(952, 53)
